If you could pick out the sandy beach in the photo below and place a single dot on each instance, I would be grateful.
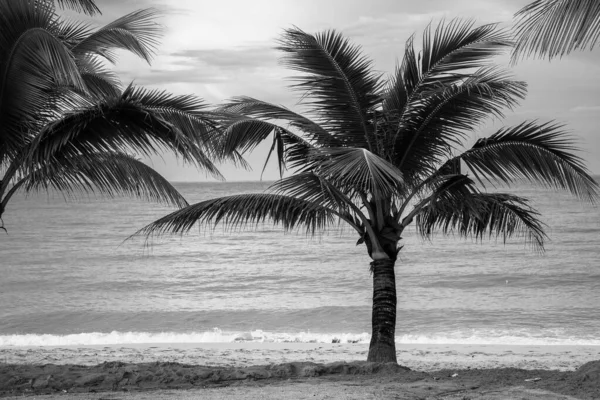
(299, 370)
(421, 357)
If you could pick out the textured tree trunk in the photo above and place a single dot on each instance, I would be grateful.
(383, 345)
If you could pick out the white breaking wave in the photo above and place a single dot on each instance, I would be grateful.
(214, 336)
(218, 336)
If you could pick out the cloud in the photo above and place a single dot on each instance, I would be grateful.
(207, 66)
(237, 58)
(585, 109)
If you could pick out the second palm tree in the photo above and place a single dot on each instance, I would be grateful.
(382, 154)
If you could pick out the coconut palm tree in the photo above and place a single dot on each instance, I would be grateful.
(554, 28)
(67, 123)
(380, 155)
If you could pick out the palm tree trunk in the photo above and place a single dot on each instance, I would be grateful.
(383, 346)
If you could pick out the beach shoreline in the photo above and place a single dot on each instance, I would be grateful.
(422, 357)
(276, 370)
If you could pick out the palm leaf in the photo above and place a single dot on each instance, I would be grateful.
(242, 134)
(440, 121)
(100, 85)
(71, 32)
(554, 28)
(238, 211)
(100, 82)
(136, 32)
(357, 169)
(138, 120)
(33, 62)
(312, 188)
(448, 54)
(457, 206)
(265, 111)
(87, 6)
(106, 173)
(458, 46)
(537, 152)
(336, 80)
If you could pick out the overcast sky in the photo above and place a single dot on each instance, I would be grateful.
(220, 49)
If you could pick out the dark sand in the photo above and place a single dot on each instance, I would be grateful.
(343, 380)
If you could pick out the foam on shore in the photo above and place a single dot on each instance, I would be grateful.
(218, 336)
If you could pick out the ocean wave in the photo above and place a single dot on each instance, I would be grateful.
(214, 336)
(218, 336)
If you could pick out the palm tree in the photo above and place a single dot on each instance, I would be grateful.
(67, 123)
(382, 154)
(554, 28)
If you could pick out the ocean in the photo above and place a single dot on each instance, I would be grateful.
(68, 276)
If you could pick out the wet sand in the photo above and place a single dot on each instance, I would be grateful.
(299, 370)
(422, 357)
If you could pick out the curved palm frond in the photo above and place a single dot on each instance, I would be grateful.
(87, 6)
(296, 151)
(100, 82)
(238, 211)
(336, 80)
(313, 188)
(136, 32)
(459, 46)
(242, 134)
(138, 120)
(33, 62)
(554, 28)
(537, 152)
(186, 112)
(71, 32)
(106, 173)
(357, 169)
(265, 111)
(457, 206)
(448, 53)
(440, 122)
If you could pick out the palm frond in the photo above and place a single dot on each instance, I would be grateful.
(71, 32)
(554, 28)
(139, 120)
(100, 82)
(336, 80)
(106, 173)
(313, 188)
(448, 54)
(540, 153)
(136, 32)
(456, 206)
(34, 61)
(186, 112)
(242, 134)
(357, 169)
(440, 122)
(458, 46)
(239, 211)
(87, 6)
(265, 111)
(100, 85)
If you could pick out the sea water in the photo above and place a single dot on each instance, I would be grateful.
(68, 276)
